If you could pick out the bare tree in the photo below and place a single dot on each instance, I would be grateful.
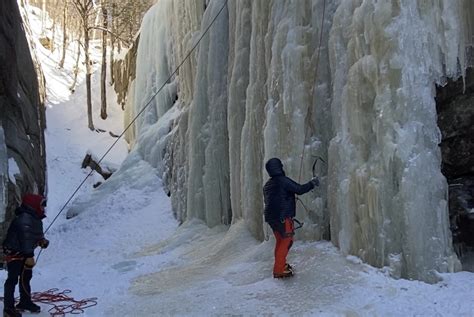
(85, 8)
(119, 22)
(103, 77)
(43, 16)
(76, 67)
(112, 10)
(65, 32)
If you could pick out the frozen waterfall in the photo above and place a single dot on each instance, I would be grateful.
(262, 84)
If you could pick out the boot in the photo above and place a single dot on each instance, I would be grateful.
(11, 312)
(285, 273)
(288, 267)
(30, 306)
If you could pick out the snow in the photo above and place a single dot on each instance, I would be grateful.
(126, 249)
(13, 170)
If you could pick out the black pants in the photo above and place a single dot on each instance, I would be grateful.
(16, 270)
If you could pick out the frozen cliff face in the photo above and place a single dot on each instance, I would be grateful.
(22, 157)
(352, 81)
(208, 182)
(388, 194)
(162, 139)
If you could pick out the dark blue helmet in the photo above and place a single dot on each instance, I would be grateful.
(274, 167)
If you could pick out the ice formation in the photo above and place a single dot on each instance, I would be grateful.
(349, 80)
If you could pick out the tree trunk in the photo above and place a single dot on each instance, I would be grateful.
(63, 58)
(112, 43)
(52, 14)
(111, 61)
(76, 68)
(43, 17)
(88, 77)
(103, 75)
(96, 23)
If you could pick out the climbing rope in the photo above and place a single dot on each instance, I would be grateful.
(62, 303)
(315, 79)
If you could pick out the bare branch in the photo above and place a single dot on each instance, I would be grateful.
(110, 32)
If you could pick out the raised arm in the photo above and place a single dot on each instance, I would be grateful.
(292, 186)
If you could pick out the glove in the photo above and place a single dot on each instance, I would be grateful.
(30, 263)
(7, 251)
(43, 243)
(315, 181)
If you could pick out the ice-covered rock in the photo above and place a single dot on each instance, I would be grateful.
(352, 81)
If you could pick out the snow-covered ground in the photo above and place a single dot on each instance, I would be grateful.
(126, 249)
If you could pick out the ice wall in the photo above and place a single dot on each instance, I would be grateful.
(168, 32)
(208, 183)
(349, 80)
(388, 203)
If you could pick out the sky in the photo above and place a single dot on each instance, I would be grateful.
(126, 249)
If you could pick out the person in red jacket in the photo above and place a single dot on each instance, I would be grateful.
(280, 208)
(24, 234)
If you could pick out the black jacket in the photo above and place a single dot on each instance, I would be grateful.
(279, 193)
(24, 233)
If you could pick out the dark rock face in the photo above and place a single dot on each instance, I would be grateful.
(456, 121)
(22, 114)
(124, 71)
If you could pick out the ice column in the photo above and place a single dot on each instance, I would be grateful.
(241, 30)
(154, 67)
(252, 143)
(297, 110)
(208, 182)
(387, 194)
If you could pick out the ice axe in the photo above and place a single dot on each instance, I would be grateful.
(316, 161)
(317, 157)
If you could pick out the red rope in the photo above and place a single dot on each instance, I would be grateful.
(53, 297)
(62, 303)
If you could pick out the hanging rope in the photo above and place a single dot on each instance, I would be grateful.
(315, 80)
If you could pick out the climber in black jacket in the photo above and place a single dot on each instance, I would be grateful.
(24, 235)
(280, 207)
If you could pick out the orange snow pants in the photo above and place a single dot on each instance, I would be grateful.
(283, 245)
